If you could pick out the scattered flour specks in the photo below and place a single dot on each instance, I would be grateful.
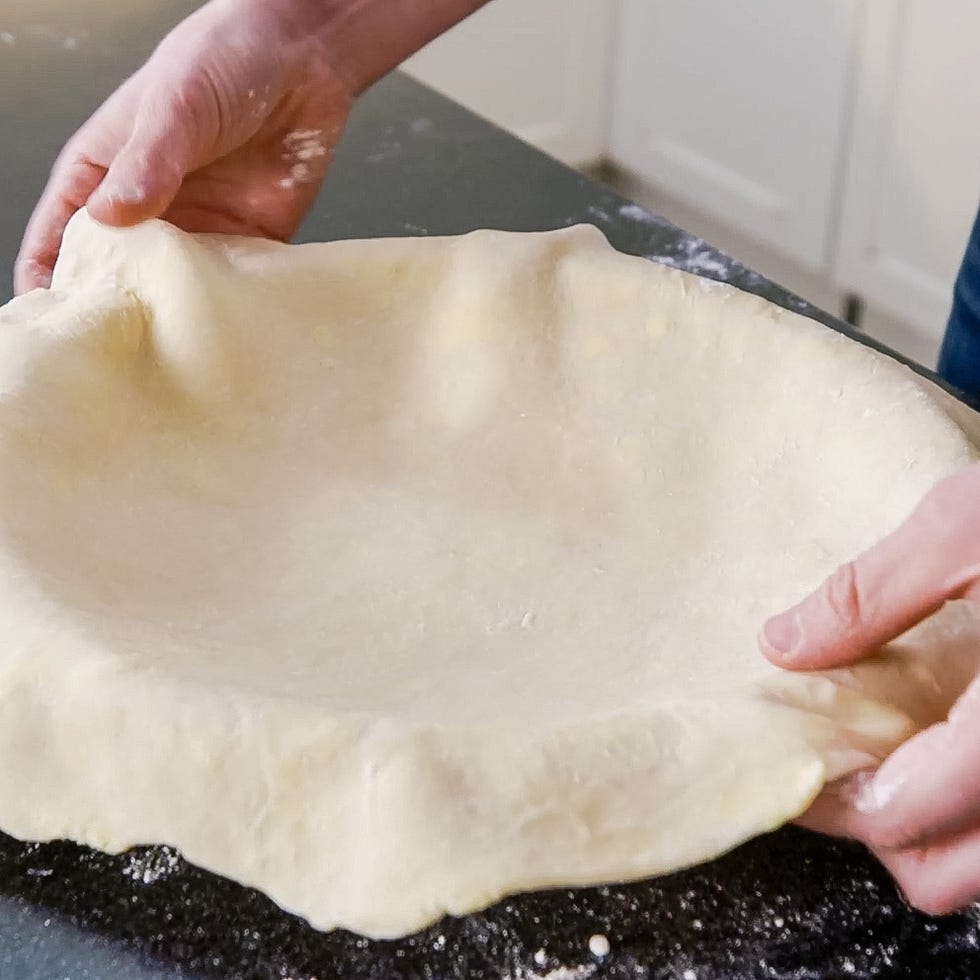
(690, 254)
(299, 173)
(633, 212)
(300, 148)
(628, 211)
(304, 144)
(48, 35)
(697, 256)
(584, 972)
(388, 150)
(152, 864)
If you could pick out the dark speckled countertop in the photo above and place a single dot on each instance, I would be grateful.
(788, 905)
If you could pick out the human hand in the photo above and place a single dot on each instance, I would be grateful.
(229, 127)
(232, 123)
(920, 812)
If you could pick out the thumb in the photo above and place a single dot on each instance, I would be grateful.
(144, 177)
(933, 556)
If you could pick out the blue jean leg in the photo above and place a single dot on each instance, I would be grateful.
(959, 358)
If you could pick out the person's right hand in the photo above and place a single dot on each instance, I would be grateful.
(229, 127)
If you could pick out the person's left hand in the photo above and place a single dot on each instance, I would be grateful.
(920, 812)
(229, 127)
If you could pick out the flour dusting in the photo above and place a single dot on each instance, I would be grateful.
(388, 150)
(300, 148)
(633, 212)
(304, 144)
(600, 214)
(45, 34)
(696, 255)
(150, 865)
(558, 973)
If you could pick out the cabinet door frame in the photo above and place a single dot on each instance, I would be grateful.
(864, 265)
(574, 126)
(793, 212)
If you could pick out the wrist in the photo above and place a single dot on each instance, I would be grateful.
(359, 40)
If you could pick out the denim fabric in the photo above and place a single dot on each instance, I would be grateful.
(959, 359)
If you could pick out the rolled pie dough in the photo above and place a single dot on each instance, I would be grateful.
(390, 577)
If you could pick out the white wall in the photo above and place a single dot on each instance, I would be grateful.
(536, 67)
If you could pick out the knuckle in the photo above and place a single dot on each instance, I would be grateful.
(73, 172)
(890, 836)
(842, 594)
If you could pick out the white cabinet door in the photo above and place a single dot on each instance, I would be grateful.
(536, 67)
(913, 177)
(737, 108)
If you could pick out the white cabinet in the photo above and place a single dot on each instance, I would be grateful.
(536, 67)
(737, 109)
(913, 169)
(839, 137)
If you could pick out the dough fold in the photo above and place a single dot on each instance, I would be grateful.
(391, 577)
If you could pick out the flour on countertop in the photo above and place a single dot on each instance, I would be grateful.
(754, 914)
(150, 865)
(696, 255)
(386, 151)
(628, 211)
(690, 253)
(633, 212)
(47, 35)
(558, 973)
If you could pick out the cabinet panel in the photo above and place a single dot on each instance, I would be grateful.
(738, 109)
(913, 175)
(536, 67)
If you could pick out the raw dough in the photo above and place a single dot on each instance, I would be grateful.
(390, 577)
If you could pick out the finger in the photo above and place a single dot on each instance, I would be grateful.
(69, 187)
(146, 174)
(833, 812)
(903, 579)
(928, 788)
(940, 879)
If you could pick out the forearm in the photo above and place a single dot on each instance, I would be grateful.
(365, 39)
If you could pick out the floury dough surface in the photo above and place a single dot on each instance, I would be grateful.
(393, 576)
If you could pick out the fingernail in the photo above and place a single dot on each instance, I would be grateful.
(877, 793)
(783, 633)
